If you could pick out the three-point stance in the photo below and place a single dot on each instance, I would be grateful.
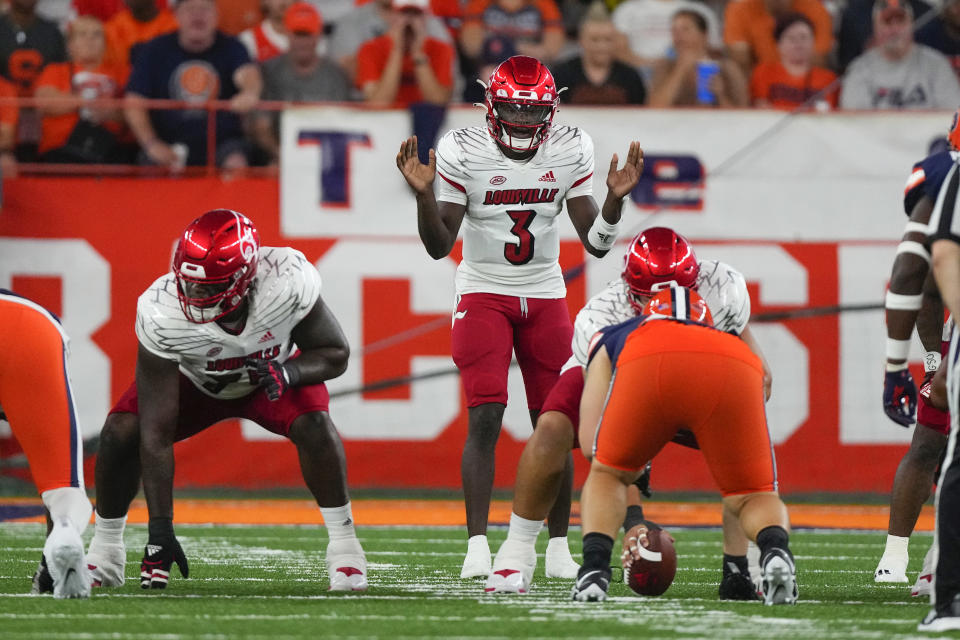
(657, 258)
(506, 183)
(236, 330)
(707, 381)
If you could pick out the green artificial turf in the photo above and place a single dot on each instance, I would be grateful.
(270, 582)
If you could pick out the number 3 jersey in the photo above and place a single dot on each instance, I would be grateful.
(283, 291)
(511, 240)
(722, 287)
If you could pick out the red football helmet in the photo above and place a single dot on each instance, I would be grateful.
(214, 264)
(953, 134)
(657, 258)
(680, 303)
(521, 99)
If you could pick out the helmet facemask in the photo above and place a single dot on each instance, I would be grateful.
(207, 299)
(521, 125)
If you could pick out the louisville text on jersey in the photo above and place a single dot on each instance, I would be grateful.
(228, 364)
(520, 196)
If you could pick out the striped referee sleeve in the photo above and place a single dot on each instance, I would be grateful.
(945, 219)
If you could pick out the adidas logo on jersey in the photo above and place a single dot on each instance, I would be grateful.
(267, 337)
(548, 177)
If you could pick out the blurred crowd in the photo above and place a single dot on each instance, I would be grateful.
(70, 55)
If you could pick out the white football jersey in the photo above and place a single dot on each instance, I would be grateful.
(721, 286)
(283, 291)
(511, 238)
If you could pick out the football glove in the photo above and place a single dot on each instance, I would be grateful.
(274, 377)
(158, 557)
(900, 397)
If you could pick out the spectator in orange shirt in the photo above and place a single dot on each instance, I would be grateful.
(794, 80)
(534, 26)
(71, 131)
(749, 26)
(405, 66)
(695, 77)
(8, 129)
(269, 38)
(142, 20)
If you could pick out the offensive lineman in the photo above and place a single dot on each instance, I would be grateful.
(656, 258)
(913, 299)
(38, 402)
(507, 184)
(235, 330)
(707, 381)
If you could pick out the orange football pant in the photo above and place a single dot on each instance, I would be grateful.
(672, 376)
(35, 394)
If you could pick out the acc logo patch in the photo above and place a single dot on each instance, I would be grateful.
(498, 179)
(215, 351)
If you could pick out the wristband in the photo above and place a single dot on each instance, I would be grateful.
(898, 350)
(931, 361)
(602, 234)
(896, 367)
(901, 302)
(291, 372)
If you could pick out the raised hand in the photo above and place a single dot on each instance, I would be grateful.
(419, 176)
(620, 182)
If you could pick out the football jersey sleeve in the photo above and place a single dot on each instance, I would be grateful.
(914, 189)
(452, 179)
(153, 309)
(582, 183)
(724, 289)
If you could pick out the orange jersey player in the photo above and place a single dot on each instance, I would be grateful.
(651, 376)
(36, 397)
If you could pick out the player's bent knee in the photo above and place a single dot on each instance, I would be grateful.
(554, 431)
(313, 427)
(120, 433)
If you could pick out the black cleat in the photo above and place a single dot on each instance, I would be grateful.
(736, 586)
(42, 580)
(591, 585)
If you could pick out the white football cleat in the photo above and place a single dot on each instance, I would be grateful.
(64, 553)
(346, 565)
(106, 563)
(779, 584)
(891, 570)
(924, 584)
(513, 568)
(477, 562)
(559, 563)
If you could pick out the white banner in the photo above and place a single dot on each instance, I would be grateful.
(716, 174)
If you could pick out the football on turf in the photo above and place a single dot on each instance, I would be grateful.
(653, 571)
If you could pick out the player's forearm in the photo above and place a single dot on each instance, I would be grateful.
(314, 366)
(433, 232)
(612, 208)
(903, 302)
(930, 318)
(156, 463)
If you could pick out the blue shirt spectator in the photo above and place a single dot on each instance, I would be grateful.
(195, 64)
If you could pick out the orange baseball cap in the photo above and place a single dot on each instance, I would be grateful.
(301, 17)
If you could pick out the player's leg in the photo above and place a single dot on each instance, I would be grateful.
(539, 479)
(735, 442)
(911, 487)
(634, 427)
(481, 341)
(324, 468)
(37, 399)
(542, 345)
(603, 502)
(117, 476)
